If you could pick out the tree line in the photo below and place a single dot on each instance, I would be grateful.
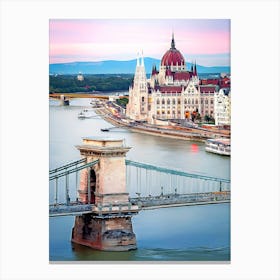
(90, 83)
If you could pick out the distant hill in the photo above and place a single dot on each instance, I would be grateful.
(120, 67)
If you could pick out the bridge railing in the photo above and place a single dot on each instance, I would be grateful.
(66, 181)
(65, 167)
(144, 180)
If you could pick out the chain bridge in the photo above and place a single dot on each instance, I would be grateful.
(148, 186)
(103, 190)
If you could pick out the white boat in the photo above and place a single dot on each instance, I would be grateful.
(81, 115)
(219, 146)
(86, 113)
(96, 103)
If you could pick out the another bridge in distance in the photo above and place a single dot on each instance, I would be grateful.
(81, 95)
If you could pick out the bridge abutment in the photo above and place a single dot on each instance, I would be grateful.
(107, 234)
(109, 226)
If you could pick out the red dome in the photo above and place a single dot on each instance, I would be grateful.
(172, 56)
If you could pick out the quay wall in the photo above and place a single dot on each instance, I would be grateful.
(160, 132)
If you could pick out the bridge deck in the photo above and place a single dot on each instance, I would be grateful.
(143, 203)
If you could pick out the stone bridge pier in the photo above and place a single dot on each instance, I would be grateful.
(109, 226)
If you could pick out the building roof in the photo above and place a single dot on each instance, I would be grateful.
(207, 89)
(210, 82)
(170, 89)
(224, 141)
(182, 76)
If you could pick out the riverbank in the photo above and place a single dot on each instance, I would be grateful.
(163, 131)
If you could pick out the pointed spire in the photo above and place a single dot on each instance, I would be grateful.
(154, 70)
(142, 59)
(138, 59)
(172, 41)
(195, 72)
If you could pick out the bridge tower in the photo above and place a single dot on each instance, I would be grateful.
(109, 226)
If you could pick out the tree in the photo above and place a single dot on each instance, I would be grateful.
(207, 118)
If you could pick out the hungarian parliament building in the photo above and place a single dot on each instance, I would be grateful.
(174, 93)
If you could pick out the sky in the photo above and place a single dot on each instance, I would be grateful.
(206, 41)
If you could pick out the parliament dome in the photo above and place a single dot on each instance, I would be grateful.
(172, 56)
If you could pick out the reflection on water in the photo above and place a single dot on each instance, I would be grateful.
(195, 233)
(83, 253)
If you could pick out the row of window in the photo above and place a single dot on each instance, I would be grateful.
(189, 101)
(168, 112)
(174, 107)
(179, 112)
(207, 112)
(179, 101)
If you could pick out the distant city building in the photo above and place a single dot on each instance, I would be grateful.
(222, 107)
(172, 92)
(80, 77)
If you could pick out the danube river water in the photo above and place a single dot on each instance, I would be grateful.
(193, 233)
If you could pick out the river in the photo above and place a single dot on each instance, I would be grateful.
(194, 233)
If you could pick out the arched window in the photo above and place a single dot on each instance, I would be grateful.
(173, 101)
(143, 98)
(192, 101)
(179, 101)
(185, 101)
(206, 101)
(196, 101)
(162, 101)
(168, 101)
(189, 101)
(158, 101)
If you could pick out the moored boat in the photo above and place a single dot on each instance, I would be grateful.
(219, 146)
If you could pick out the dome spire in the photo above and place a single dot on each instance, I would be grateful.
(172, 41)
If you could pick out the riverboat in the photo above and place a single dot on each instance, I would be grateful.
(85, 114)
(219, 146)
(96, 103)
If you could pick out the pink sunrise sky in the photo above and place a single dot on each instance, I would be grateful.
(206, 41)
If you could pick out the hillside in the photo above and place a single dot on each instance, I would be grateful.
(119, 67)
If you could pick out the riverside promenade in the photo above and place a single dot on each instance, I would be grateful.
(170, 131)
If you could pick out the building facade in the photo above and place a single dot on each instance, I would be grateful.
(138, 106)
(172, 92)
(222, 107)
